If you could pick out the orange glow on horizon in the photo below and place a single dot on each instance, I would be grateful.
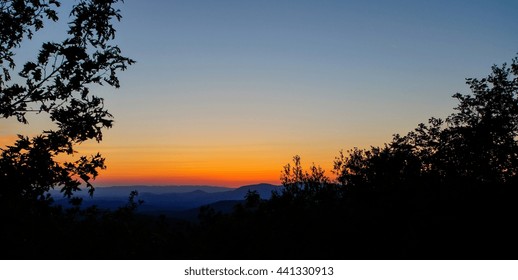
(169, 181)
(210, 172)
(225, 165)
(217, 162)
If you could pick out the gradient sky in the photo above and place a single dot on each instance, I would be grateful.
(227, 92)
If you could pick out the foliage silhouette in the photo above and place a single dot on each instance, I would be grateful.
(57, 84)
(446, 190)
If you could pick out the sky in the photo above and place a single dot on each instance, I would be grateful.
(227, 92)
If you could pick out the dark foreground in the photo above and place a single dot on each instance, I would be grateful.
(428, 222)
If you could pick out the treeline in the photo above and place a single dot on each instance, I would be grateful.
(446, 190)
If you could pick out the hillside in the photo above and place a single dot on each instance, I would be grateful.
(170, 200)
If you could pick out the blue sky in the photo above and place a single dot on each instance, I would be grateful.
(244, 85)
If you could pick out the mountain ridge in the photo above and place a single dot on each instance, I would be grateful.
(170, 200)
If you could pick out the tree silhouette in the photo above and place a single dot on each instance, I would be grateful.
(478, 142)
(56, 84)
(298, 182)
(483, 132)
(444, 190)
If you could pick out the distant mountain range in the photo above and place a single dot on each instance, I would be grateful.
(174, 201)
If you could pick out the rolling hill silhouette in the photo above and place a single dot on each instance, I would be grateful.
(174, 201)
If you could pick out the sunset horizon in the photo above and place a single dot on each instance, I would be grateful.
(259, 130)
(228, 94)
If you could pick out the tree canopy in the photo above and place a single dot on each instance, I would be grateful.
(56, 84)
(445, 190)
(477, 143)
